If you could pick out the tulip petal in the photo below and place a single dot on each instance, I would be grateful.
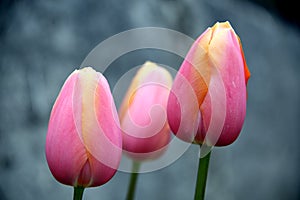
(98, 125)
(225, 54)
(189, 89)
(247, 71)
(62, 142)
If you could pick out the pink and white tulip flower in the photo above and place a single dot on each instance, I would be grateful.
(207, 103)
(143, 117)
(84, 144)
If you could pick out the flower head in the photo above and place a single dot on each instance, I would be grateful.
(143, 113)
(83, 144)
(207, 103)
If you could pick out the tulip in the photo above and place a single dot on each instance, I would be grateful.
(83, 144)
(143, 113)
(207, 103)
(143, 118)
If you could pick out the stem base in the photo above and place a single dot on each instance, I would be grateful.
(202, 177)
(78, 193)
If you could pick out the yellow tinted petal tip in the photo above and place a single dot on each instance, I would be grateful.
(223, 25)
(86, 70)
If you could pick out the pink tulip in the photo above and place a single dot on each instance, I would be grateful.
(207, 103)
(83, 144)
(143, 113)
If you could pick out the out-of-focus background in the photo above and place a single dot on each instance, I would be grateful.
(42, 42)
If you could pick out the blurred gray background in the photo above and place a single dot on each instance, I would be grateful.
(42, 42)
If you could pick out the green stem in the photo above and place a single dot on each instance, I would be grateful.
(201, 177)
(133, 180)
(78, 193)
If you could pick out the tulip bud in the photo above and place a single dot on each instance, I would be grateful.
(83, 144)
(209, 90)
(143, 113)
